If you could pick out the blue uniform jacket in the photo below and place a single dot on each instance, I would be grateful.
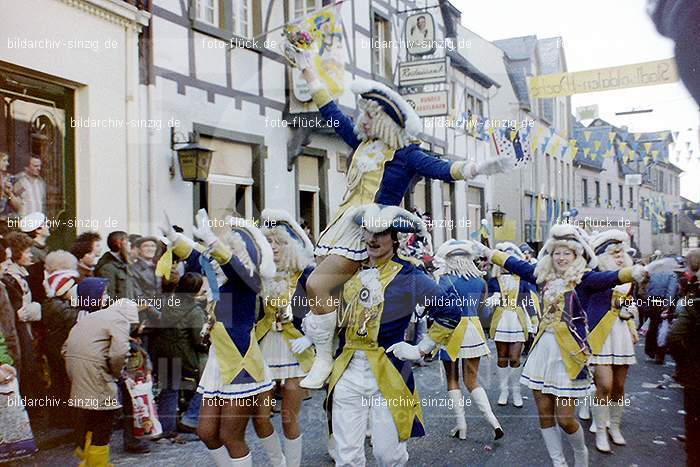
(407, 162)
(471, 292)
(237, 306)
(576, 302)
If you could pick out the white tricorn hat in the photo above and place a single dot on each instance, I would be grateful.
(255, 244)
(603, 240)
(572, 237)
(457, 248)
(391, 102)
(377, 218)
(511, 248)
(279, 219)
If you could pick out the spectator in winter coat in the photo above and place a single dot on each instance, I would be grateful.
(95, 352)
(658, 303)
(87, 250)
(59, 316)
(177, 347)
(684, 340)
(114, 266)
(143, 268)
(27, 312)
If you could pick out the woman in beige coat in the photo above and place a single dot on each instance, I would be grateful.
(95, 352)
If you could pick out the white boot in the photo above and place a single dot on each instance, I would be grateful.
(552, 439)
(292, 451)
(460, 430)
(320, 329)
(503, 375)
(273, 448)
(616, 410)
(515, 386)
(600, 416)
(482, 402)
(584, 411)
(246, 461)
(578, 443)
(220, 456)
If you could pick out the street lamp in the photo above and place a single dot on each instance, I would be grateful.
(498, 217)
(194, 159)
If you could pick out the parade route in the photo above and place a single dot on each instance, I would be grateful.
(651, 426)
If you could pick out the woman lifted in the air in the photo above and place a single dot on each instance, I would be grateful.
(386, 156)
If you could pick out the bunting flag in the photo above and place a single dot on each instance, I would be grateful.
(513, 143)
(647, 147)
(587, 135)
(611, 136)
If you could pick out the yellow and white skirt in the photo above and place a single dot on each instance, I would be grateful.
(544, 370)
(210, 384)
(618, 348)
(508, 328)
(342, 237)
(279, 357)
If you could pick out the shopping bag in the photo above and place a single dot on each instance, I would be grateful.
(662, 335)
(146, 423)
(16, 437)
(645, 327)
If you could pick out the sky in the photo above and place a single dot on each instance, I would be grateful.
(599, 34)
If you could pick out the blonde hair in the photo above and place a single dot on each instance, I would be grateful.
(545, 272)
(292, 256)
(383, 127)
(606, 261)
(60, 260)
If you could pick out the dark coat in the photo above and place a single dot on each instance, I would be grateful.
(177, 348)
(684, 337)
(117, 271)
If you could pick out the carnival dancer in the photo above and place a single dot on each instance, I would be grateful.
(515, 316)
(612, 336)
(459, 276)
(556, 367)
(235, 372)
(287, 352)
(386, 157)
(372, 373)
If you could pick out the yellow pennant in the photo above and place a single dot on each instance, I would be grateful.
(596, 144)
(594, 155)
(587, 135)
(586, 151)
(654, 153)
(611, 136)
(647, 147)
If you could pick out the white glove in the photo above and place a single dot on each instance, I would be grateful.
(495, 299)
(30, 312)
(300, 345)
(405, 351)
(482, 250)
(168, 230)
(296, 56)
(203, 228)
